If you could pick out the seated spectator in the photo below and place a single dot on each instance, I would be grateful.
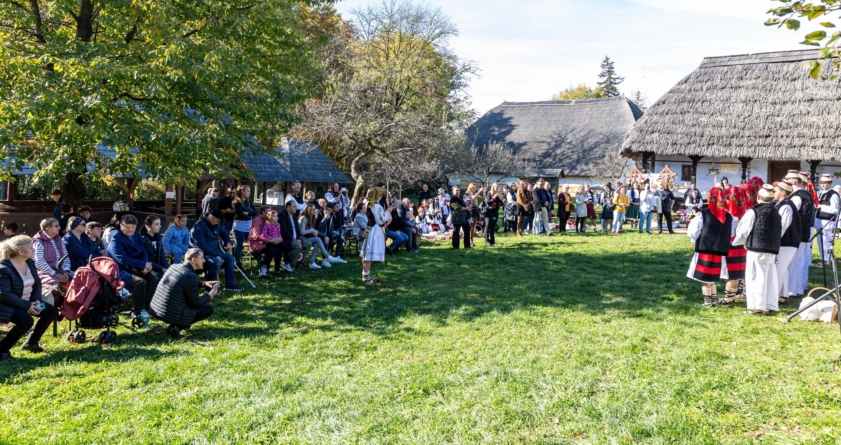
(331, 229)
(50, 259)
(256, 242)
(9, 230)
(405, 212)
(177, 300)
(153, 243)
(177, 239)
(20, 296)
(423, 223)
(80, 248)
(85, 212)
(94, 231)
(205, 235)
(311, 239)
(290, 231)
(274, 248)
(397, 237)
(112, 228)
(66, 213)
(126, 248)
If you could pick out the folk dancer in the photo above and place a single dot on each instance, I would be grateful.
(737, 255)
(802, 199)
(373, 247)
(710, 230)
(760, 230)
(828, 208)
(790, 242)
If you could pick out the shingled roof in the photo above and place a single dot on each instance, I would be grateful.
(570, 135)
(307, 163)
(758, 105)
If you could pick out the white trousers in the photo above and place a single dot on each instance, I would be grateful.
(795, 283)
(761, 288)
(784, 260)
(826, 236)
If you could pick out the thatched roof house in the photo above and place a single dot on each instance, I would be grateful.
(756, 114)
(569, 138)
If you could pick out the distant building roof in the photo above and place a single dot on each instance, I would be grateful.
(307, 163)
(571, 135)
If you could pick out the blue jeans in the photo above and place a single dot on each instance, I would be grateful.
(397, 239)
(240, 237)
(212, 266)
(529, 224)
(618, 219)
(228, 225)
(177, 251)
(407, 232)
(647, 217)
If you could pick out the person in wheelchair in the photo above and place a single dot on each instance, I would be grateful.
(126, 247)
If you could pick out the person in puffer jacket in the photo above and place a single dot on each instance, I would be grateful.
(177, 239)
(126, 247)
(178, 300)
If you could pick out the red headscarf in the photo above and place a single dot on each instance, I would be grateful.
(735, 201)
(717, 203)
(750, 190)
(811, 187)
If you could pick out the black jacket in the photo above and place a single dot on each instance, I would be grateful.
(286, 227)
(11, 288)
(208, 204)
(177, 298)
(791, 237)
(154, 246)
(767, 230)
(245, 211)
(715, 235)
(806, 213)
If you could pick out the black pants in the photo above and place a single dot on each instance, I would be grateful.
(23, 323)
(581, 224)
(562, 224)
(273, 252)
(668, 216)
(143, 288)
(465, 228)
(202, 313)
(490, 229)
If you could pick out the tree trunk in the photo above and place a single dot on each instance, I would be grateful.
(73, 190)
(84, 21)
(359, 189)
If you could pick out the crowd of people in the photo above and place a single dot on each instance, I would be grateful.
(761, 235)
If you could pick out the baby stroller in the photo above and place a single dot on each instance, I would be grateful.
(92, 299)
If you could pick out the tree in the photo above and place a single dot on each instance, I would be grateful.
(612, 166)
(580, 92)
(393, 88)
(175, 88)
(610, 81)
(481, 163)
(788, 14)
(640, 99)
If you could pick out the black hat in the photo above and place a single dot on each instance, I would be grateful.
(216, 213)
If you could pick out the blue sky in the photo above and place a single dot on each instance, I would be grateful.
(527, 50)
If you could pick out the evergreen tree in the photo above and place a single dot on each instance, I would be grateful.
(610, 81)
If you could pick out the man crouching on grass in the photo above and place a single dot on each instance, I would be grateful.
(177, 299)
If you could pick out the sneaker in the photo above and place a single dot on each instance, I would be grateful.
(174, 332)
(288, 268)
(233, 288)
(314, 266)
(369, 280)
(326, 263)
(263, 271)
(32, 347)
(335, 259)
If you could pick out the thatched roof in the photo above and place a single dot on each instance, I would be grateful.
(762, 106)
(570, 135)
(309, 164)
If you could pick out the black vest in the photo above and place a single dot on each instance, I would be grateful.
(715, 236)
(791, 238)
(767, 230)
(806, 212)
(825, 201)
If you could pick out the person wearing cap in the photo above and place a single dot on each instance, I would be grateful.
(205, 235)
(798, 271)
(829, 204)
(78, 245)
(210, 202)
(790, 235)
(760, 231)
(710, 230)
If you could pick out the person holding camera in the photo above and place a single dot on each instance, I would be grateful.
(177, 300)
(20, 296)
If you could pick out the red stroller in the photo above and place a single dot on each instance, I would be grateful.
(92, 298)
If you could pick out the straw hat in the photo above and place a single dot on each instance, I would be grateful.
(793, 174)
(785, 185)
(767, 191)
(805, 177)
(826, 177)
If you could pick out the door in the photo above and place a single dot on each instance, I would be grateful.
(778, 170)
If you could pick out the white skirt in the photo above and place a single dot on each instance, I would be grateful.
(374, 246)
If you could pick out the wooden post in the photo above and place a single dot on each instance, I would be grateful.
(168, 202)
(745, 162)
(199, 197)
(10, 191)
(648, 158)
(179, 198)
(265, 187)
(813, 169)
(128, 185)
(695, 160)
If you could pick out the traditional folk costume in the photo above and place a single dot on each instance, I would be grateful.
(798, 271)
(710, 230)
(760, 231)
(736, 257)
(790, 241)
(829, 204)
(373, 246)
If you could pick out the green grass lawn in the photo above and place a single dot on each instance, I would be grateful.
(573, 339)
